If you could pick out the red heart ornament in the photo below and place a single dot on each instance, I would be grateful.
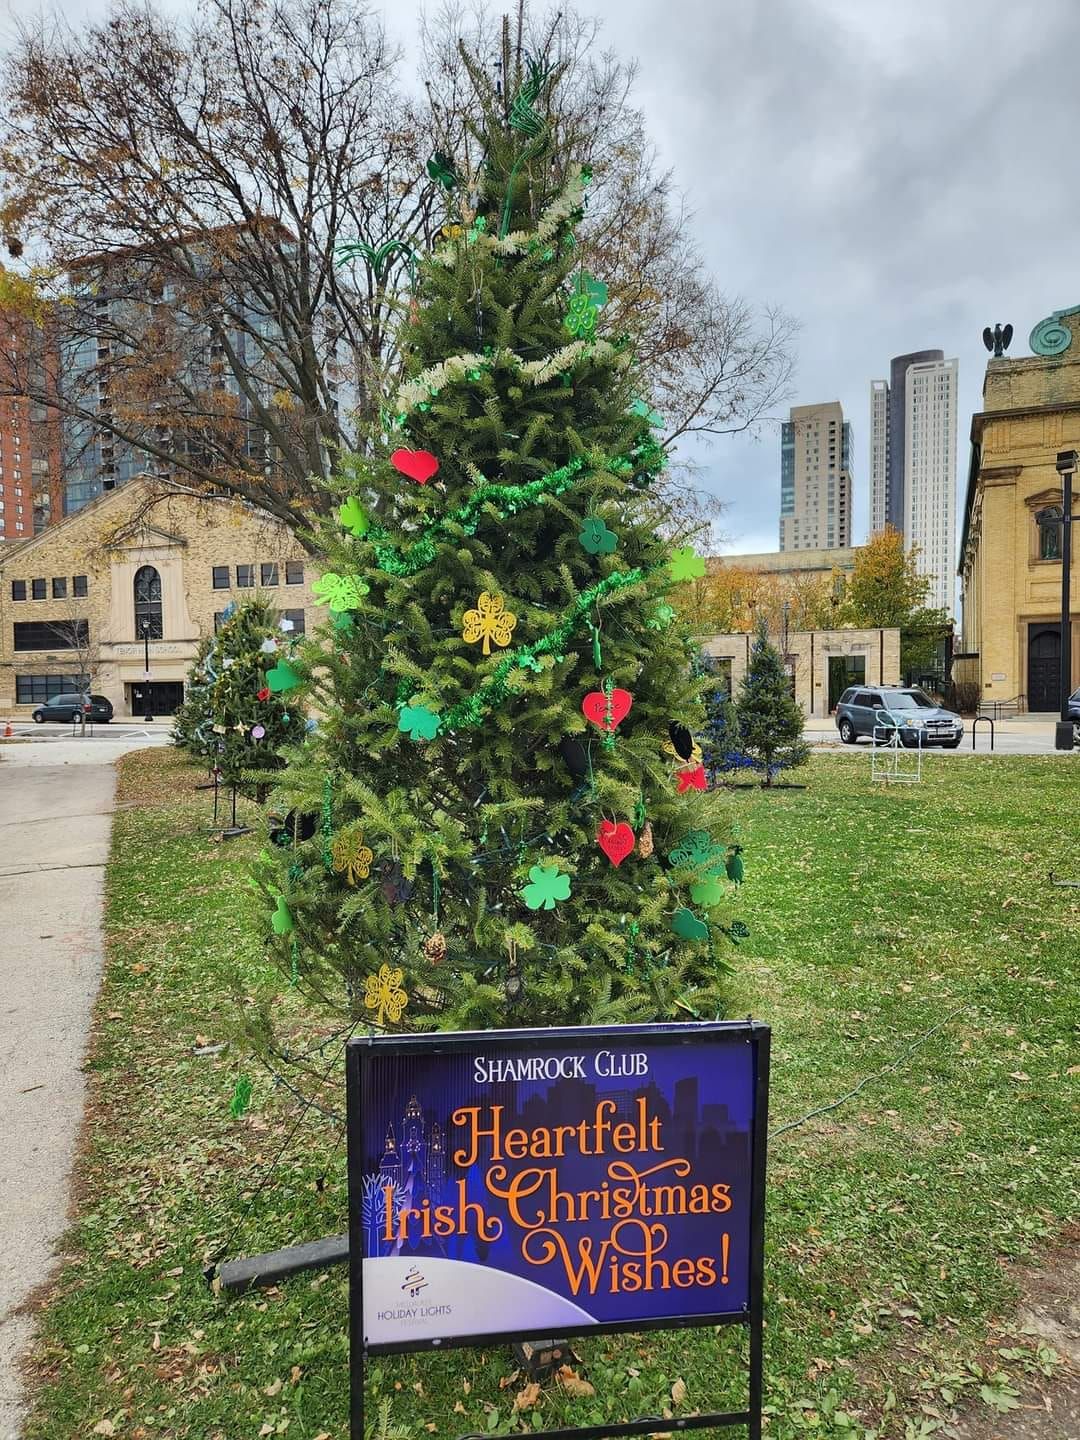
(693, 779)
(596, 706)
(418, 465)
(616, 841)
(264, 694)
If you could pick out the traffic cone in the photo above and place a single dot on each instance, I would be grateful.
(8, 732)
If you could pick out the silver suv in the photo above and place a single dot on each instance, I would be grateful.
(907, 710)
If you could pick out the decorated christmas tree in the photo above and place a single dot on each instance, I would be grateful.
(503, 817)
(721, 746)
(193, 720)
(770, 719)
(242, 724)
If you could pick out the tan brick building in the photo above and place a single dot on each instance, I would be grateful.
(1011, 540)
(821, 663)
(76, 596)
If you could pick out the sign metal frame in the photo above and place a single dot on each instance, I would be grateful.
(361, 1053)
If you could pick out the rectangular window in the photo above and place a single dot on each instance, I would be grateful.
(268, 573)
(59, 587)
(220, 577)
(18, 590)
(78, 586)
(37, 589)
(297, 618)
(54, 635)
(294, 572)
(245, 577)
(36, 689)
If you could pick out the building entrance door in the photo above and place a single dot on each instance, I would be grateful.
(844, 670)
(1044, 666)
(166, 697)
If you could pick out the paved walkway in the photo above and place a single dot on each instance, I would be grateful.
(55, 805)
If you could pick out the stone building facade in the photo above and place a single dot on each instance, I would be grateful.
(1010, 549)
(821, 663)
(74, 598)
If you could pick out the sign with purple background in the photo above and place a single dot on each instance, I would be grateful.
(509, 1183)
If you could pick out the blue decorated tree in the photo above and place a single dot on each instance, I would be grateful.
(502, 818)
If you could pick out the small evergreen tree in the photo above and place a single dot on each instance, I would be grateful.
(250, 724)
(770, 719)
(505, 830)
(721, 746)
(194, 718)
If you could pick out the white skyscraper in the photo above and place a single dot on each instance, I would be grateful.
(879, 455)
(930, 474)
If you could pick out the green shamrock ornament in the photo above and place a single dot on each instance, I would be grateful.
(595, 289)
(644, 411)
(663, 615)
(340, 592)
(283, 677)
(342, 620)
(418, 722)
(696, 847)
(581, 317)
(281, 919)
(546, 888)
(441, 168)
(735, 865)
(686, 564)
(709, 891)
(595, 536)
(354, 517)
(241, 1097)
(687, 925)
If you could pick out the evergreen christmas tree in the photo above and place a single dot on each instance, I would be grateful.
(193, 719)
(506, 808)
(770, 719)
(721, 747)
(245, 724)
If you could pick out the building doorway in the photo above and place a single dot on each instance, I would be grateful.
(1044, 667)
(844, 670)
(165, 697)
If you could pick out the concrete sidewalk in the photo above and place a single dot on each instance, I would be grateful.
(55, 821)
(1019, 735)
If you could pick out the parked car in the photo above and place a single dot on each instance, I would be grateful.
(1074, 706)
(65, 708)
(906, 708)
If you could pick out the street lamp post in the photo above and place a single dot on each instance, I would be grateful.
(1067, 461)
(146, 670)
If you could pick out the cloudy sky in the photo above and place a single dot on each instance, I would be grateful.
(895, 173)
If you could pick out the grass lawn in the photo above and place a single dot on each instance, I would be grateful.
(874, 915)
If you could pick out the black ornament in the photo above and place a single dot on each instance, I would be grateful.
(575, 756)
(682, 740)
(294, 828)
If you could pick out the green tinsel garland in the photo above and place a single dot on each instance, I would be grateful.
(507, 499)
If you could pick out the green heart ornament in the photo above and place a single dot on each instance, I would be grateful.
(281, 919)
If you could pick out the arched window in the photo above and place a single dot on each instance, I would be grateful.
(148, 602)
(1049, 523)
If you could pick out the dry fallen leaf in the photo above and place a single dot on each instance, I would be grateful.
(459, 1409)
(527, 1396)
(572, 1382)
(273, 1388)
(104, 1427)
(295, 1373)
(507, 1380)
(678, 1392)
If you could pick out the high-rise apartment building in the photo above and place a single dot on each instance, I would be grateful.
(913, 462)
(816, 486)
(30, 488)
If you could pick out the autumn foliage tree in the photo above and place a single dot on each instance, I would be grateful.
(886, 588)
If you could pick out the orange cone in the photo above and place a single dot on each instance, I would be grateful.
(8, 732)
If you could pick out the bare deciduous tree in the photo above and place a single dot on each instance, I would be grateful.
(183, 189)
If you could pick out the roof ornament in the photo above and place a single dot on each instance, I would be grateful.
(998, 340)
(1052, 336)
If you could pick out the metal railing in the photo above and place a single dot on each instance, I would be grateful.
(1003, 709)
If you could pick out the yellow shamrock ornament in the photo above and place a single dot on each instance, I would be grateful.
(489, 621)
(383, 992)
(351, 856)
